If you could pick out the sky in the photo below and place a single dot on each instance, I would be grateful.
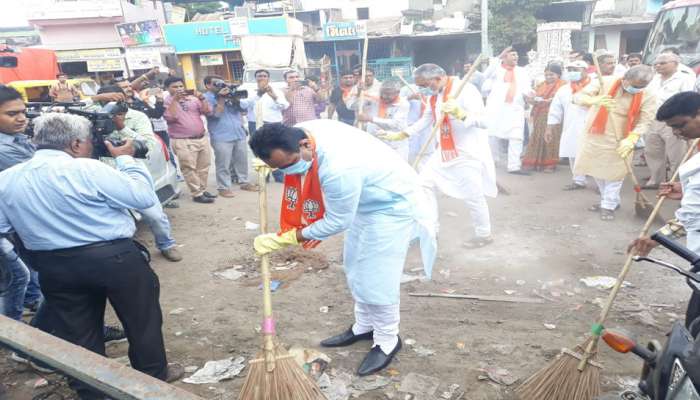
(13, 16)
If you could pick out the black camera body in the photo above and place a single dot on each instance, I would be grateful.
(233, 97)
(102, 126)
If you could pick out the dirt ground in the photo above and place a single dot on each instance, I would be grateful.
(545, 241)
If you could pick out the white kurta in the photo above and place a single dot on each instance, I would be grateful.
(415, 142)
(689, 176)
(374, 196)
(472, 173)
(395, 120)
(506, 120)
(572, 117)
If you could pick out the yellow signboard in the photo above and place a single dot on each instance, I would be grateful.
(87, 54)
(108, 64)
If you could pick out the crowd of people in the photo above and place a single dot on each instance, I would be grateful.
(336, 178)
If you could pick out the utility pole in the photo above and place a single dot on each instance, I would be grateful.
(485, 47)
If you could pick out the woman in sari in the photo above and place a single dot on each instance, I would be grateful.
(540, 155)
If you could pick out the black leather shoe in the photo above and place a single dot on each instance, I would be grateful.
(203, 199)
(210, 195)
(376, 360)
(346, 339)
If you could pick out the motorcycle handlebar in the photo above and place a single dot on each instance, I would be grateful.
(677, 248)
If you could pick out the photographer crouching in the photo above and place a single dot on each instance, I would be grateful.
(83, 249)
(133, 124)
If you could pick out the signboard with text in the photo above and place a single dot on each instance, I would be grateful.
(107, 64)
(143, 58)
(201, 37)
(344, 30)
(142, 33)
(207, 60)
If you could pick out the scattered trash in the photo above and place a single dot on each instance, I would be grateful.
(550, 326)
(451, 391)
(40, 383)
(423, 351)
(602, 282)
(393, 372)
(312, 361)
(410, 342)
(178, 333)
(499, 375)
(600, 302)
(372, 382)
(251, 226)
(190, 369)
(646, 318)
(324, 309)
(509, 292)
(335, 388)
(520, 282)
(216, 371)
(419, 384)
(177, 311)
(448, 291)
(405, 278)
(274, 285)
(231, 274)
(461, 345)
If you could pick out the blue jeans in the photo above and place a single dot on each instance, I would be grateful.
(12, 300)
(160, 226)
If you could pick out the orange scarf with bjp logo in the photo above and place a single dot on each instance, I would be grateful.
(510, 79)
(601, 118)
(447, 141)
(383, 106)
(302, 205)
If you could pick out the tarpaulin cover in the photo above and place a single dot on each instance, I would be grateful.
(32, 64)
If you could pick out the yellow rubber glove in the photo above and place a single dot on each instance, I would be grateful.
(260, 166)
(452, 108)
(626, 145)
(392, 136)
(269, 242)
(604, 101)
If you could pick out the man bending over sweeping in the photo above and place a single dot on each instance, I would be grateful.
(681, 112)
(341, 179)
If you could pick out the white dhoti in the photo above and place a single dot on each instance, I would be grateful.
(609, 193)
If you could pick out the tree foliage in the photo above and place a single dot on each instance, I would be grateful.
(202, 7)
(513, 22)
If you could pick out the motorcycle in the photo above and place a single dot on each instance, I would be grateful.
(671, 371)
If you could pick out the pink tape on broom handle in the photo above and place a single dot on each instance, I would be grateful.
(268, 326)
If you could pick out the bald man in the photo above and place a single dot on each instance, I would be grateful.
(662, 145)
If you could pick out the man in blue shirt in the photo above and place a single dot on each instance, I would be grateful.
(84, 251)
(227, 136)
(18, 285)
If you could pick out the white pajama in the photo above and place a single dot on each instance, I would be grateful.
(578, 179)
(609, 193)
(383, 320)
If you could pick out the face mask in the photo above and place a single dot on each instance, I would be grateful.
(631, 89)
(427, 91)
(297, 168)
(573, 76)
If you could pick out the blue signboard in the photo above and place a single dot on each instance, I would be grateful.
(201, 37)
(344, 30)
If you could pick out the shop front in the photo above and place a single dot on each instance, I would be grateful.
(102, 64)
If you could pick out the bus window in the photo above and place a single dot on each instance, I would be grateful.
(679, 28)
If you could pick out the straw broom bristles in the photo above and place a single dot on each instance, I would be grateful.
(287, 381)
(562, 379)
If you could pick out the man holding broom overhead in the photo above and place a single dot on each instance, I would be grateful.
(681, 112)
(462, 167)
(621, 111)
(341, 179)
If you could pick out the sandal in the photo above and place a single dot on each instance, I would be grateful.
(596, 208)
(478, 242)
(607, 215)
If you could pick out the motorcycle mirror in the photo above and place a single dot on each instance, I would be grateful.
(618, 340)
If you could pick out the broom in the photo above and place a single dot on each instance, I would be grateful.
(574, 375)
(274, 375)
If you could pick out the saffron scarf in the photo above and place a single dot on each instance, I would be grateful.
(510, 79)
(302, 205)
(577, 86)
(547, 92)
(601, 118)
(383, 106)
(447, 142)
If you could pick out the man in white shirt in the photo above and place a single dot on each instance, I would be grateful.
(505, 107)
(681, 67)
(661, 143)
(390, 113)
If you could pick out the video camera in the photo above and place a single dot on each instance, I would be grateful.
(101, 122)
(234, 96)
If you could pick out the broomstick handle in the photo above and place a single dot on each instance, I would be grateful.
(438, 121)
(268, 328)
(628, 263)
(628, 166)
(361, 104)
(414, 91)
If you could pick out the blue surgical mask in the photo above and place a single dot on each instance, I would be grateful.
(427, 91)
(298, 168)
(573, 76)
(631, 89)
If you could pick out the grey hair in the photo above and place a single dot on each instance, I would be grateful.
(391, 84)
(605, 56)
(672, 57)
(429, 71)
(59, 130)
(642, 73)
